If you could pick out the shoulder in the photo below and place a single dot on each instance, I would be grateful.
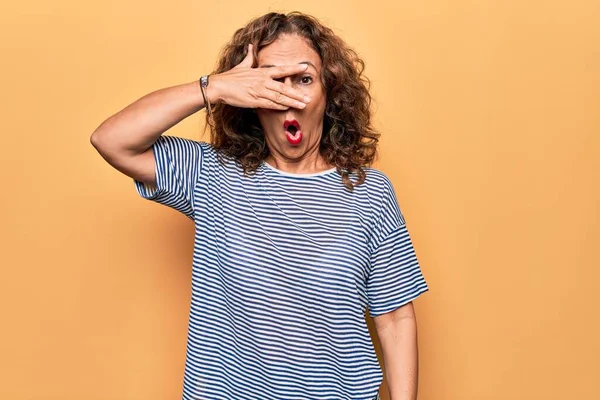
(377, 177)
(209, 157)
(177, 142)
(381, 197)
(376, 183)
(180, 149)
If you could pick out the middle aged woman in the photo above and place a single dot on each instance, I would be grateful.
(296, 236)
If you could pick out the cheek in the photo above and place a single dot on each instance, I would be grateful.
(265, 116)
(315, 110)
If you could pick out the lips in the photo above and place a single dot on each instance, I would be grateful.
(292, 132)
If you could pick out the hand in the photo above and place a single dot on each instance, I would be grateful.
(247, 87)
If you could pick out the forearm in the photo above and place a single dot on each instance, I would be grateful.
(398, 337)
(135, 128)
(402, 365)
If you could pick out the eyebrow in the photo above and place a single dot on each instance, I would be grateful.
(303, 62)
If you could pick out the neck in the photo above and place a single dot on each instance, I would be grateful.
(310, 163)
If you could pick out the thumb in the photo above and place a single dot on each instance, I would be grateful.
(249, 59)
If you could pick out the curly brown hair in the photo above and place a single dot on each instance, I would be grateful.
(349, 141)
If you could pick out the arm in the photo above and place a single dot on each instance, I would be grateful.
(125, 140)
(397, 332)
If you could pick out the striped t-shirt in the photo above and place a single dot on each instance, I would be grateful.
(284, 268)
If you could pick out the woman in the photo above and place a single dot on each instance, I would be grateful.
(295, 235)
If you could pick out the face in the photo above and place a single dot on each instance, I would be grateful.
(286, 50)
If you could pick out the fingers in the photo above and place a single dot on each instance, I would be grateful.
(286, 70)
(249, 59)
(266, 103)
(287, 90)
(267, 92)
(282, 99)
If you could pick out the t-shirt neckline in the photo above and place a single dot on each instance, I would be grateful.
(278, 171)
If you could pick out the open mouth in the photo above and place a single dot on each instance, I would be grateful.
(292, 132)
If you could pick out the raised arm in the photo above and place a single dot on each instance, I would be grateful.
(125, 139)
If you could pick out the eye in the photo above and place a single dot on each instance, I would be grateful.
(306, 80)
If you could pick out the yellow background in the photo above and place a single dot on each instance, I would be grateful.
(490, 114)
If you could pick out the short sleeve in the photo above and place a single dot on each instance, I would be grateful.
(395, 276)
(178, 165)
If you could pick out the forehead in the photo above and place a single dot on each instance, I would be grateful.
(288, 49)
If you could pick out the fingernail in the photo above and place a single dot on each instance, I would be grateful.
(301, 105)
(306, 99)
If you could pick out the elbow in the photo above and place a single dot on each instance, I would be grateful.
(94, 141)
(98, 139)
(103, 139)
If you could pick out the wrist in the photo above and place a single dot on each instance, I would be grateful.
(213, 91)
